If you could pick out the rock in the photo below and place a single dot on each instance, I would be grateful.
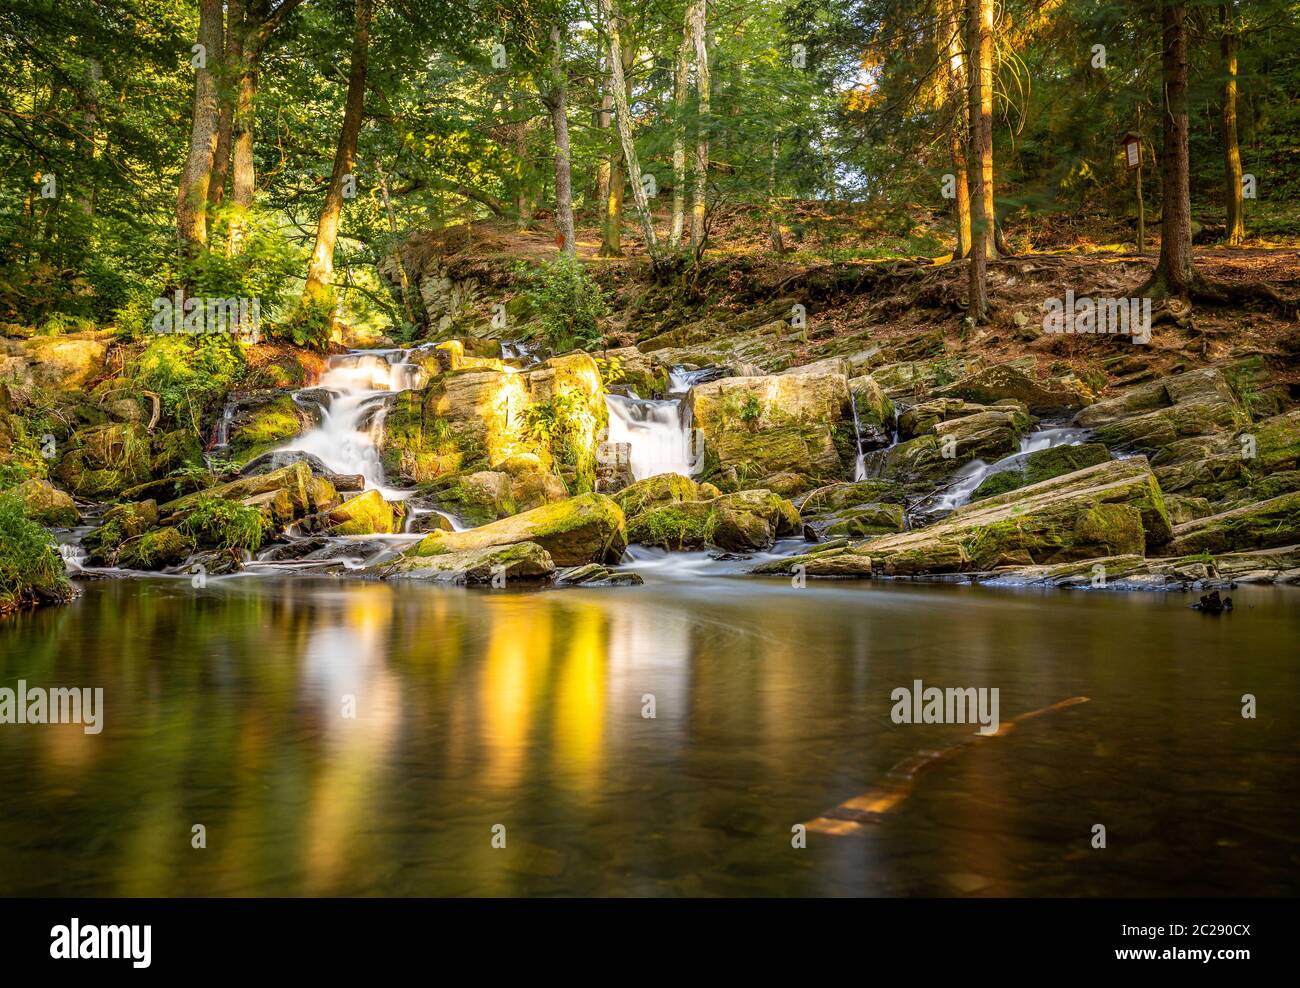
(60, 363)
(46, 504)
(365, 514)
(155, 549)
(1264, 525)
(875, 412)
(1002, 381)
(834, 497)
(262, 421)
(758, 428)
(736, 522)
(1041, 465)
(596, 575)
(664, 488)
(582, 529)
(920, 377)
(922, 417)
(126, 521)
(102, 461)
(863, 521)
(1212, 603)
(613, 467)
(1114, 508)
(520, 561)
(288, 494)
(926, 463)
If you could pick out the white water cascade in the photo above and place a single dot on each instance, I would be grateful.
(659, 433)
(974, 473)
(359, 383)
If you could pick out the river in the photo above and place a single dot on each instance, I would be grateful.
(224, 707)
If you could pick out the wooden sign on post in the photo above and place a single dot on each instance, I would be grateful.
(1133, 151)
(1133, 158)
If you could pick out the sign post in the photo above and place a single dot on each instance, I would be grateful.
(1133, 158)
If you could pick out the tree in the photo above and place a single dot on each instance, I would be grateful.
(320, 271)
(980, 47)
(696, 17)
(555, 102)
(1232, 192)
(1174, 274)
(192, 193)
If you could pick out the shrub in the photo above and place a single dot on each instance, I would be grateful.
(31, 570)
(190, 374)
(567, 301)
(221, 524)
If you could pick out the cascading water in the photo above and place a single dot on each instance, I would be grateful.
(659, 433)
(860, 463)
(970, 476)
(348, 436)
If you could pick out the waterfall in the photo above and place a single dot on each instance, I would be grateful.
(974, 473)
(351, 428)
(660, 434)
(860, 462)
(681, 379)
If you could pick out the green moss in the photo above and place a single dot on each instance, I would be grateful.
(155, 549)
(673, 527)
(217, 523)
(266, 427)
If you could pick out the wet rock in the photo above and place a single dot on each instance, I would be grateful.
(737, 522)
(102, 461)
(596, 575)
(521, 561)
(587, 528)
(1212, 603)
(263, 421)
(365, 514)
(155, 549)
(926, 463)
(664, 488)
(1043, 464)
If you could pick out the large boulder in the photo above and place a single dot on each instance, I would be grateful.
(783, 432)
(102, 461)
(1115, 508)
(739, 522)
(926, 463)
(365, 514)
(262, 421)
(46, 504)
(583, 529)
(57, 362)
(663, 488)
(1264, 525)
(285, 495)
(521, 561)
(1005, 381)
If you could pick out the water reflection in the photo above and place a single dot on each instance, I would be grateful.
(364, 739)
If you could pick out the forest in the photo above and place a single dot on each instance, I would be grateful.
(500, 365)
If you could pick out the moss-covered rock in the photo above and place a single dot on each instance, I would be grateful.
(738, 522)
(521, 561)
(46, 504)
(126, 521)
(924, 464)
(156, 549)
(863, 521)
(365, 514)
(663, 488)
(1041, 465)
(1006, 381)
(263, 424)
(673, 525)
(102, 461)
(1115, 508)
(287, 494)
(582, 529)
(1275, 522)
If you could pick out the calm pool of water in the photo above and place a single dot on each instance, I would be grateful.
(225, 707)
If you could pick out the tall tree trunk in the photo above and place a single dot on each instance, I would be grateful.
(623, 118)
(563, 161)
(90, 123)
(698, 13)
(681, 85)
(603, 118)
(1174, 274)
(192, 195)
(980, 47)
(320, 271)
(959, 130)
(243, 177)
(773, 202)
(1232, 194)
(227, 91)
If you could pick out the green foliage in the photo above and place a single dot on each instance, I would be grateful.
(190, 374)
(310, 324)
(30, 565)
(567, 302)
(221, 524)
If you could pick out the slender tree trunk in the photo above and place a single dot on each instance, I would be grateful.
(1174, 274)
(320, 271)
(563, 166)
(90, 123)
(409, 297)
(980, 47)
(192, 195)
(603, 116)
(774, 202)
(681, 85)
(959, 131)
(698, 14)
(1232, 193)
(623, 118)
